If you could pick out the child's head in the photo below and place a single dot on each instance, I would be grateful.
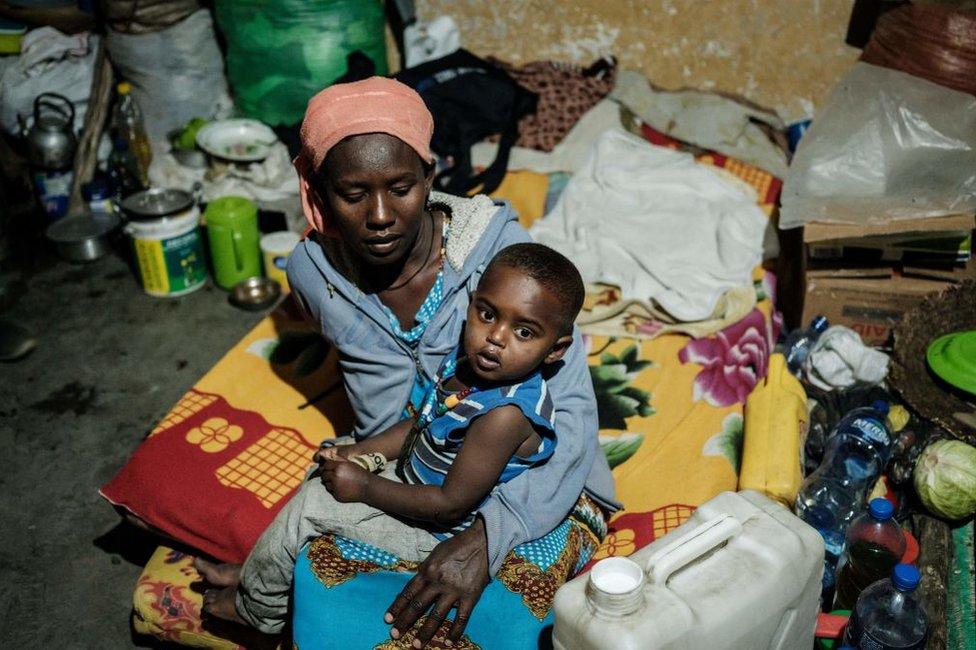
(522, 313)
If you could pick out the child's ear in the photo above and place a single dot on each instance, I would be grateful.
(559, 348)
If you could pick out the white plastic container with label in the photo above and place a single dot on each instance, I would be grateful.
(742, 572)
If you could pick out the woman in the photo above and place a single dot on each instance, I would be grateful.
(387, 274)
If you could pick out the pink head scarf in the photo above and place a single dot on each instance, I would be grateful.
(374, 105)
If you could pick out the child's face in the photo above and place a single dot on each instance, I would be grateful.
(513, 326)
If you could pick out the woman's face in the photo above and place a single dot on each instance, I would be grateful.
(375, 188)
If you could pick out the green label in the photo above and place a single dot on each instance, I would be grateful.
(185, 265)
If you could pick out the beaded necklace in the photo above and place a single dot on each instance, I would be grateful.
(434, 407)
(431, 409)
(431, 303)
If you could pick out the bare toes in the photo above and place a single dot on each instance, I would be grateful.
(220, 575)
(221, 603)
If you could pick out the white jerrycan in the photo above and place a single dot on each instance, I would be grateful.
(743, 572)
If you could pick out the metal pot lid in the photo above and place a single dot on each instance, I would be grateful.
(80, 227)
(156, 202)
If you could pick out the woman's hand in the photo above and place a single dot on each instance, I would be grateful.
(452, 577)
(347, 482)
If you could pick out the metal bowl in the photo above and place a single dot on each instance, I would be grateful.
(255, 294)
(83, 237)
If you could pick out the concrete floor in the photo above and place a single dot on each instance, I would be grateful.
(110, 362)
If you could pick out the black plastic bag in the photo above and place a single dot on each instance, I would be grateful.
(470, 99)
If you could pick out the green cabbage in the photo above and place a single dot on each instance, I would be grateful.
(945, 478)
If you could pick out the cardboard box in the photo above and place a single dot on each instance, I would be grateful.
(865, 293)
(818, 231)
(872, 307)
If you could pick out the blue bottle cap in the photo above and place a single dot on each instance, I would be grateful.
(880, 406)
(905, 577)
(881, 509)
(819, 324)
(848, 647)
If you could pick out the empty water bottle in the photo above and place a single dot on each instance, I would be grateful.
(889, 614)
(874, 545)
(834, 494)
(799, 342)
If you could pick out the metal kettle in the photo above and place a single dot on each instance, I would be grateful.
(51, 141)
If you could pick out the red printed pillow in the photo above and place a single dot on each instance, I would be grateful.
(212, 476)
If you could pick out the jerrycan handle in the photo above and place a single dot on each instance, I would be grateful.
(691, 546)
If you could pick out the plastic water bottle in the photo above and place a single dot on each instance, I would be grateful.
(874, 545)
(889, 614)
(834, 494)
(799, 342)
(129, 126)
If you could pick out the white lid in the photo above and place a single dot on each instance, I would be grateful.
(282, 241)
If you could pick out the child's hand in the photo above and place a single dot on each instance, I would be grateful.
(331, 453)
(347, 482)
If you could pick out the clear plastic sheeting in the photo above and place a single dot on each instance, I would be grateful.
(886, 145)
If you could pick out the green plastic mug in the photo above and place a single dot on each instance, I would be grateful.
(232, 229)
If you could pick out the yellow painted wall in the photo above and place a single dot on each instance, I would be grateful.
(783, 54)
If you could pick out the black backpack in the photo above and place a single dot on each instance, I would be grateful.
(470, 100)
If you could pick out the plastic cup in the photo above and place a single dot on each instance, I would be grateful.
(275, 248)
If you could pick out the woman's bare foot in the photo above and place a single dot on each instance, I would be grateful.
(219, 575)
(221, 603)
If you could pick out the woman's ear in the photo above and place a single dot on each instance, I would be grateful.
(429, 171)
(559, 348)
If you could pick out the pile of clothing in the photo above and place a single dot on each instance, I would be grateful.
(665, 243)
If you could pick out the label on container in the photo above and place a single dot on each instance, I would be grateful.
(171, 266)
(858, 637)
(872, 431)
(53, 190)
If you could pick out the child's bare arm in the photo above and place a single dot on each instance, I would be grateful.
(388, 442)
(489, 443)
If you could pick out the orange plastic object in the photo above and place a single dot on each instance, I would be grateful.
(830, 626)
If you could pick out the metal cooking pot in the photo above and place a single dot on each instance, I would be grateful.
(83, 237)
(51, 141)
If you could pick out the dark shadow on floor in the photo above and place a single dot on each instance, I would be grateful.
(133, 545)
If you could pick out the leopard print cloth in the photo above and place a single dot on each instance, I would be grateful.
(565, 91)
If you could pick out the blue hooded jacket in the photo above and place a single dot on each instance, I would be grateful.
(379, 369)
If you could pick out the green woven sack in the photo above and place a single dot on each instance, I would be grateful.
(281, 52)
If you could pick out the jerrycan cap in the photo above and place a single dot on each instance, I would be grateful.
(905, 577)
(881, 509)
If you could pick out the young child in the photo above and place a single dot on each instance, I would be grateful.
(487, 418)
